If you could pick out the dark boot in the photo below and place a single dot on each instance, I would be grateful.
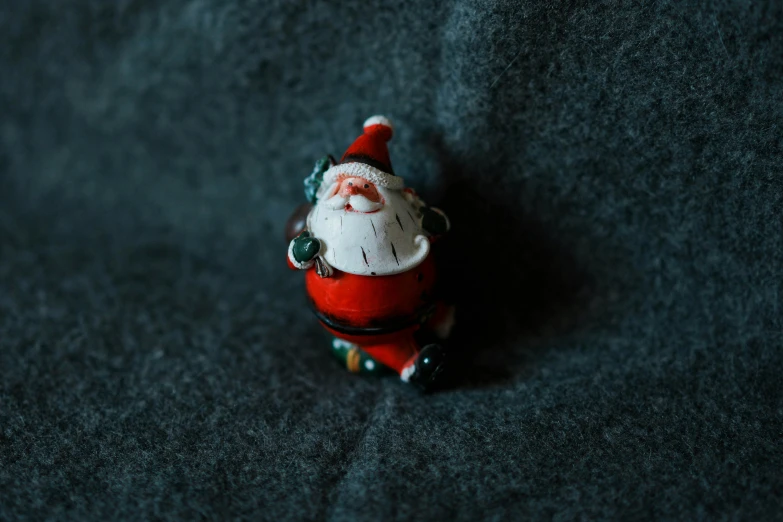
(428, 366)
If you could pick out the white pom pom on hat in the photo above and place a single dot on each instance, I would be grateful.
(379, 120)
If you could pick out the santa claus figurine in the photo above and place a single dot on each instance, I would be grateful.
(370, 274)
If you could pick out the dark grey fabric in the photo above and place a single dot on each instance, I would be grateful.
(613, 174)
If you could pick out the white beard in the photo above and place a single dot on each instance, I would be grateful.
(386, 241)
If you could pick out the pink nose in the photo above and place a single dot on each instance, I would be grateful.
(350, 190)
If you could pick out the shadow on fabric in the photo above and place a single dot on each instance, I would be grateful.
(509, 279)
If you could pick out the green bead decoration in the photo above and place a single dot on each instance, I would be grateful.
(356, 360)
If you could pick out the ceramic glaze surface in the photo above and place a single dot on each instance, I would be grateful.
(385, 242)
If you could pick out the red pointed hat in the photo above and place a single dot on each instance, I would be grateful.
(368, 157)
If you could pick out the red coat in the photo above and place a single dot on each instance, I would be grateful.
(354, 304)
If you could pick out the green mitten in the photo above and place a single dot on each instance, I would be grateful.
(434, 222)
(306, 247)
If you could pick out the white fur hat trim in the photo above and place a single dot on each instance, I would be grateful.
(361, 170)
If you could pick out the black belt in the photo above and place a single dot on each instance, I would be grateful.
(392, 325)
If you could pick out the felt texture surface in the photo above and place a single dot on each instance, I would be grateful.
(612, 171)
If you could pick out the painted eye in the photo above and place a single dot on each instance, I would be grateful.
(366, 185)
(350, 183)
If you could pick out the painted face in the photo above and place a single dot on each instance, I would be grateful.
(352, 186)
(355, 195)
